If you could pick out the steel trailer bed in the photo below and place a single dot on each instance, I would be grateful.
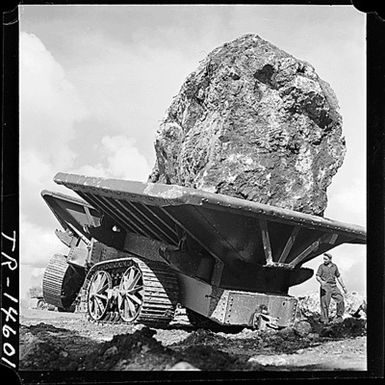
(230, 256)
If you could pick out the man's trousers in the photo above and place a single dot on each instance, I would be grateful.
(329, 291)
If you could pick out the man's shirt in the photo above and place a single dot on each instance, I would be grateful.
(328, 273)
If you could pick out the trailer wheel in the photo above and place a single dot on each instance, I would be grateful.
(98, 299)
(130, 297)
(40, 304)
(138, 291)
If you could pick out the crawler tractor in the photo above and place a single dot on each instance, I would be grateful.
(36, 298)
(139, 250)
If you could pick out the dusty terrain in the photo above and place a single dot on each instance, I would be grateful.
(65, 341)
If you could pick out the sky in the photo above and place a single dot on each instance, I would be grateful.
(95, 82)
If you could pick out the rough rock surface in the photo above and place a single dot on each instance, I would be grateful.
(355, 304)
(256, 123)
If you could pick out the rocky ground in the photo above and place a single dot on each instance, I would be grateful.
(65, 341)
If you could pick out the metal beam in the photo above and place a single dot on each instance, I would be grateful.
(289, 244)
(166, 236)
(121, 214)
(331, 238)
(171, 195)
(137, 220)
(217, 273)
(107, 210)
(266, 241)
(305, 253)
(67, 239)
(328, 238)
(74, 229)
(159, 218)
(89, 216)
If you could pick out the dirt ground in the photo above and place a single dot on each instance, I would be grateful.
(56, 341)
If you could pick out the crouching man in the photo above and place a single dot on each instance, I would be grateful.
(327, 275)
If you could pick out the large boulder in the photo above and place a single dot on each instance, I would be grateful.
(256, 123)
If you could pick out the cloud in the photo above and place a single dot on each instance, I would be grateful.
(49, 107)
(347, 202)
(129, 87)
(124, 160)
(120, 159)
(38, 243)
(49, 104)
(29, 277)
(355, 278)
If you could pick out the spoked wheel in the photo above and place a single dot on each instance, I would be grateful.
(132, 290)
(40, 304)
(130, 297)
(98, 298)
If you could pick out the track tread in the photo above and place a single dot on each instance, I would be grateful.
(160, 290)
(53, 280)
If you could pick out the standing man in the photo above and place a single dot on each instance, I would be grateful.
(327, 274)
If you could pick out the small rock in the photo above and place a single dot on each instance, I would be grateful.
(110, 352)
(269, 360)
(183, 365)
(286, 332)
(302, 328)
(313, 336)
(63, 354)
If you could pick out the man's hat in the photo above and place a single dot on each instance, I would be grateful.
(328, 255)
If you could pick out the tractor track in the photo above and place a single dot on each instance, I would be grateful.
(160, 291)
